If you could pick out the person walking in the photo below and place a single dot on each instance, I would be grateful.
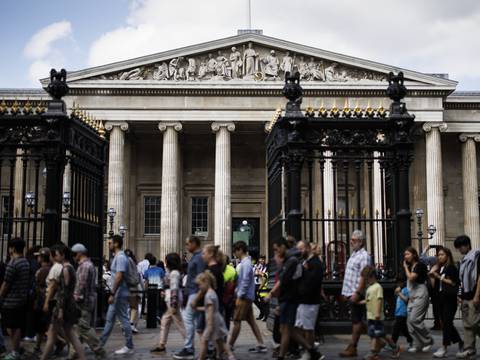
(354, 287)
(444, 278)
(41, 319)
(417, 274)
(215, 260)
(400, 324)
(14, 294)
(173, 299)
(260, 269)
(135, 289)
(230, 283)
(245, 292)
(118, 299)
(470, 294)
(196, 265)
(85, 295)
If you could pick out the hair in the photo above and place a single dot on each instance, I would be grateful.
(262, 257)
(215, 251)
(369, 272)
(449, 254)
(18, 245)
(173, 262)
(194, 240)
(207, 276)
(161, 264)
(462, 240)
(414, 252)
(358, 234)
(281, 241)
(152, 261)
(60, 249)
(118, 240)
(240, 245)
(44, 258)
(131, 255)
(291, 241)
(148, 256)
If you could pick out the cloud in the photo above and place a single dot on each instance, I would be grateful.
(40, 49)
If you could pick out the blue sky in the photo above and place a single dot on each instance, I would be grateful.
(437, 36)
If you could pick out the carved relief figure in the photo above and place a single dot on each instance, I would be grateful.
(134, 74)
(161, 72)
(236, 63)
(315, 71)
(192, 67)
(249, 60)
(302, 68)
(177, 71)
(222, 63)
(331, 73)
(271, 65)
(287, 63)
(211, 65)
(202, 70)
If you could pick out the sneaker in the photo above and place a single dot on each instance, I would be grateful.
(134, 329)
(465, 354)
(258, 349)
(305, 356)
(124, 351)
(371, 356)
(13, 355)
(412, 349)
(440, 353)
(428, 347)
(158, 349)
(28, 339)
(184, 354)
(316, 355)
(100, 354)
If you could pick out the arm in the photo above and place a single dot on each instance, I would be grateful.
(4, 289)
(361, 285)
(410, 274)
(242, 283)
(51, 290)
(82, 277)
(476, 298)
(209, 320)
(379, 309)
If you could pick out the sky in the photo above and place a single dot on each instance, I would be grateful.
(432, 36)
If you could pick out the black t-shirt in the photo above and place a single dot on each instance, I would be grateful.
(309, 289)
(422, 273)
(451, 273)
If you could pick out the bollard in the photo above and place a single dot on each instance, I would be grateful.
(152, 306)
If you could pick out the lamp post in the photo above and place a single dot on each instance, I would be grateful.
(67, 200)
(431, 229)
(30, 199)
(111, 216)
(122, 229)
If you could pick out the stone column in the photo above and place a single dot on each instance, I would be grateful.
(170, 206)
(377, 210)
(223, 196)
(435, 197)
(328, 200)
(116, 172)
(470, 187)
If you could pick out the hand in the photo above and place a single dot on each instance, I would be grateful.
(434, 268)
(174, 311)
(397, 290)
(476, 301)
(354, 299)
(405, 265)
(45, 308)
(110, 299)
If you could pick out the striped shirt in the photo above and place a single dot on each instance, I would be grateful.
(17, 276)
(357, 261)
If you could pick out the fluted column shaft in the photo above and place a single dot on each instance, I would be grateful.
(470, 187)
(170, 207)
(223, 195)
(377, 209)
(116, 171)
(435, 197)
(328, 200)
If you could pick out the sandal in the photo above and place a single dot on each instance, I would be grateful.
(158, 349)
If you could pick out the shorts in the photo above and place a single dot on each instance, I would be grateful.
(243, 310)
(306, 318)
(15, 318)
(288, 313)
(358, 312)
(376, 329)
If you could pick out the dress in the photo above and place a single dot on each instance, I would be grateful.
(219, 330)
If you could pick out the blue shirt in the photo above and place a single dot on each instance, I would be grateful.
(120, 264)
(154, 275)
(401, 306)
(196, 265)
(246, 280)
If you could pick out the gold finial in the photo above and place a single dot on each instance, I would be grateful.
(15, 108)
(369, 111)
(309, 111)
(346, 109)
(27, 108)
(317, 213)
(364, 213)
(322, 111)
(3, 107)
(101, 130)
(40, 107)
(334, 110)
(381, 110)
(357, 110)
(340, 213)
(352, 213)
(388, 212)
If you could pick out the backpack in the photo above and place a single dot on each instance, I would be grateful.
(132, 277)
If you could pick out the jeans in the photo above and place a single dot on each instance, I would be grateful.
(118, 308)
(190, 318)
(2, 339)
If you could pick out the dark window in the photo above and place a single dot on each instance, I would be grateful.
(152, 215)
(200, 215)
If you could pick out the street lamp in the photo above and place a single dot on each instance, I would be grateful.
(431, 230)
(67, 200)
(111, 216)
(30, 199)
(122, 229)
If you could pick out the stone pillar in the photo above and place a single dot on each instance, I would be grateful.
(116, 172)
(377, 210)
(223, 195)
(470, 187)
(170, 206)
(435, 197)
(328, 200)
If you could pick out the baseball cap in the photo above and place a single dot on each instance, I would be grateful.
(42, 251)
(79, 248)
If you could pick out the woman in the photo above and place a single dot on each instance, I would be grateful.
(444, 278)
(417, 274)
(216, 262)
(60, 300)
(173, 299)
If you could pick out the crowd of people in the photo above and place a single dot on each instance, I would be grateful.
(50, 295)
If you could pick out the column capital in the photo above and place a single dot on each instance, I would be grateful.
(123, 125)
(463, 137)
(441, 126)
(216, 126)
(162, 126)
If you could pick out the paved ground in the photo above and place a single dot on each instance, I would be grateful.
(147, 338)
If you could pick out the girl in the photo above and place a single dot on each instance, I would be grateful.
(215, 330)
(417, 275)
(444, 278)
(173, 299)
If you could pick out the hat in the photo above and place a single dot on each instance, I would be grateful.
(79, 248)
(42, 251)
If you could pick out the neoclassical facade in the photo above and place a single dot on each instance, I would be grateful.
(187, 131)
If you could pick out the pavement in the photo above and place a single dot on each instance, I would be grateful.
(330, 346)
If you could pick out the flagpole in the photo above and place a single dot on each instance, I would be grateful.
(249, 14)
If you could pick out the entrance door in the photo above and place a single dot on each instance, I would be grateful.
(248, 230)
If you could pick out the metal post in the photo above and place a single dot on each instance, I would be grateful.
(152, 306)
(294, 216)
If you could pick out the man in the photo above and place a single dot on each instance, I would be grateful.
(309, 291)
(245, 292)
(118, 299)
(354, 288)
(14, 294)
(85, 294)
(196, 265)
(260, 270)
(143, 266)
(154, 275)
(289, 277)
(470, 294)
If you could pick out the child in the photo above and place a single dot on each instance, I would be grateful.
(374, 303)
(400, 324)
(215, 329)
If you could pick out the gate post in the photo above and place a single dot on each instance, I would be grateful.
(294, 167)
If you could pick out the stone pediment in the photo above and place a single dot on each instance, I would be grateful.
(244, 59)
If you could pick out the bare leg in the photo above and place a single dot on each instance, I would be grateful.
(284, 341)
(51, 339)
(16, 335)
(356, 332)
(203, 350)
(223, 348)
(237, 325)
(73, 339)
(253, 325)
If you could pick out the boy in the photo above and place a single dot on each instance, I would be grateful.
(400, 324)
(375, 317)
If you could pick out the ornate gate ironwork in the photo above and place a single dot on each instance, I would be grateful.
(39, 143)
(336, 170)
